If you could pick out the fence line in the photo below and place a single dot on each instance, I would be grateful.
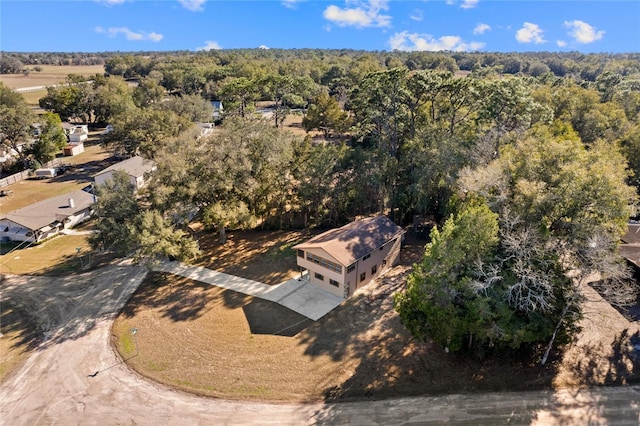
(15, 178)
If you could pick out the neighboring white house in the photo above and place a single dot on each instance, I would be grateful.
(136, 167)
(78, 134)
(46, 218)
(342, 260)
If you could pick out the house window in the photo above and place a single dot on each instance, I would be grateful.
(319, 276)
(333, 283)
(351, 268)
(366, 257)
(363, 276)
(374, 269)
(301, 253)
(324, 262)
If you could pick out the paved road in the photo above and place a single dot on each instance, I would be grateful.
(76, 378)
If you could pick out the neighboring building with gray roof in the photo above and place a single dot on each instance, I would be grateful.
(46, 218)
(136, 167)
(344, 259)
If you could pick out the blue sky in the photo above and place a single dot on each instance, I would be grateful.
(430, 25)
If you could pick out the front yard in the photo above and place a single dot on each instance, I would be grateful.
(220, 343)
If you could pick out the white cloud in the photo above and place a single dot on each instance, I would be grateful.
(210, 45)
(481, 28)
(469, 4)
(582, 32)
(193, 5)
(530, 33)
(130, 35)
(417, 15)
(561, 43)
(262, 46)
(290, 4)
(153, 36)
(363, 14)
(407, 41)
(466, 4)
(111, 2)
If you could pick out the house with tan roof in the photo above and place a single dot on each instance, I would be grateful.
(46, 218)
(345, 259)
(136, 167)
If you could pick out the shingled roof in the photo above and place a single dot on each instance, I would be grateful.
(51, 210)
(134, 166)
(354, 240)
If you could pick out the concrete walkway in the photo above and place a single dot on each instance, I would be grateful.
(298, 295)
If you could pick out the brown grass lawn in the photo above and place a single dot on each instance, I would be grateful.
(216, 342)
(50, 74)
(53, 256)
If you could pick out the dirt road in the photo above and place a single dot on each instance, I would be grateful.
(76, 378)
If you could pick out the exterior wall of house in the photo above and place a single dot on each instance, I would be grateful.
(371, 265)
(139, 182)
(78, 138)
(77, 218)
(12, 231)
(353, 276)
(322, 276)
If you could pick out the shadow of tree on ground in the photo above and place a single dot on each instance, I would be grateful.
(179, 299)
(611, 366)
(54, 310)
(390, 363)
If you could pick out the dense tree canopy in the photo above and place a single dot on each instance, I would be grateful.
(506, 270)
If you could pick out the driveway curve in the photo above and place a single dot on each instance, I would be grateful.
(75, 377)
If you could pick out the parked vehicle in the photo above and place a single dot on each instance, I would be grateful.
(45, 173)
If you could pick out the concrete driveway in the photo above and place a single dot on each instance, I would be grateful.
(76, 378)
(298, 295)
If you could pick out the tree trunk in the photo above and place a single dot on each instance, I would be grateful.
(553, 337)
(223, 235)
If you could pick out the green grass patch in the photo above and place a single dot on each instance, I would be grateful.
(127, 344)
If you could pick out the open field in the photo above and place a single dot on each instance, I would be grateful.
(50, 74)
